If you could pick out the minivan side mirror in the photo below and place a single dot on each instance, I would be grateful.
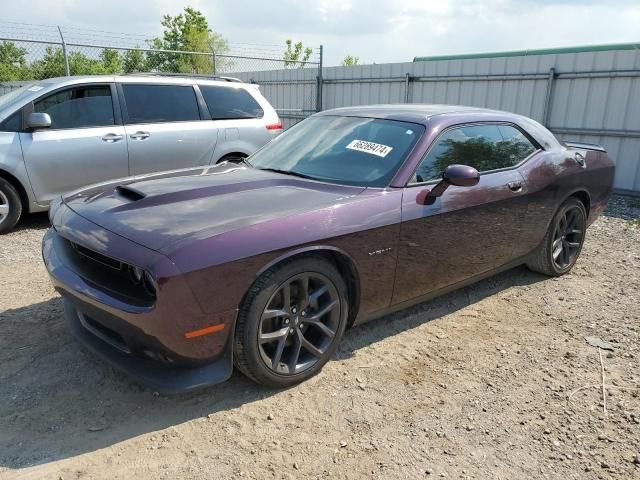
(458, 175)
(37, 120)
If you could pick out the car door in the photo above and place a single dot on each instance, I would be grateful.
(85, 144)
(468, 230)
(165, 127)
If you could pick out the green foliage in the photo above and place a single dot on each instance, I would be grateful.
(186, 32)
(350, 61)
(13, 63)
(296, 55)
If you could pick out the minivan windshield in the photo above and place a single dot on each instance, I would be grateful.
(337, 149)
(16, 97)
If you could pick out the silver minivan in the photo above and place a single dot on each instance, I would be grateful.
(60, 134)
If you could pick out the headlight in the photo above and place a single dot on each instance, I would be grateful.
(149, 284)
(136, 274)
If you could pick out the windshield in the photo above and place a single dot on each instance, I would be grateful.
(17, 96)
(346, 150)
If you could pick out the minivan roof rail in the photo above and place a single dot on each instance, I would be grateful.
(186, 75)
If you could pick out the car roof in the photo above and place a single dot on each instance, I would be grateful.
(417, 113)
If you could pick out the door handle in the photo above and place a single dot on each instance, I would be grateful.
(515, 186)
(140, 135)
(112, 137)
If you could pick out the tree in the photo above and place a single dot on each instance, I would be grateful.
(350, 61)
(298, 56)
(186, 32)
(13, 63)
(134, 61)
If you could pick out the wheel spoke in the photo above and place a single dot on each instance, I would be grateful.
(573, 245)
(574, 231)
(273, 314)
(295, 353)
(271, 336)
(286, 297)
(275, 361)
(557, 249)
(326, 309)
(312, 349)
(303, 292)
(4, 210)
(566, 254)
(315, 295)
(322, 327)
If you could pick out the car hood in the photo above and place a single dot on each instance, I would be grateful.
(162, 210)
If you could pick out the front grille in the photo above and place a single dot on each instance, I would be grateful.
(97, 257)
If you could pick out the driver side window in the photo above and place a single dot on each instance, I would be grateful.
(484, 147)
(78, 107)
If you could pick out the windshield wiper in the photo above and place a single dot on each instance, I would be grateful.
(287, 172)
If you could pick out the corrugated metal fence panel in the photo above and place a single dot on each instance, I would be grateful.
(587, 106)
(582, 100)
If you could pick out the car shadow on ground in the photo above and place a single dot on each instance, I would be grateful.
(58, 401)
(33, 221)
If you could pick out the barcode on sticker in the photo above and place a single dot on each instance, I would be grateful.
(370, 147)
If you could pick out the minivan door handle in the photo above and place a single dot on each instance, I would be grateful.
(140, 135)
(112, 137)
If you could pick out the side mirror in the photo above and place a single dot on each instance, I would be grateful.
(458, 175)
(461, 176)
(37, 120)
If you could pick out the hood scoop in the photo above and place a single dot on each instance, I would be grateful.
(130, 192)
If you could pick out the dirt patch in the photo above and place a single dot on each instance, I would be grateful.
(474, 384)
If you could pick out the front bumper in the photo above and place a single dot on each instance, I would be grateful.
(146, 341)
(160, 377)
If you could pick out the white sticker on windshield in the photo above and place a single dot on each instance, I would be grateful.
(35, 88)
(370, 147)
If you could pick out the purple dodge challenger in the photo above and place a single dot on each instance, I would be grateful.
(355, 212)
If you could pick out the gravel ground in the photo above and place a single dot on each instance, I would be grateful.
(493, 381)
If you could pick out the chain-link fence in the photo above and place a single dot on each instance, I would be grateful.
(38, 52)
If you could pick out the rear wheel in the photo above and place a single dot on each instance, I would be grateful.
(291, 322)
(10, 206)
(559, 251)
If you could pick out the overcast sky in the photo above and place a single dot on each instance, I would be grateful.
(376, 31)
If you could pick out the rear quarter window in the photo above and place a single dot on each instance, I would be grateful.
(230, 103)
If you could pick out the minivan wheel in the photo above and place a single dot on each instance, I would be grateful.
(291, 322)
(10, 206)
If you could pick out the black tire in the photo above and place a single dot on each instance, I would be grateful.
(545, 259)
(251, 355)
(9, 199)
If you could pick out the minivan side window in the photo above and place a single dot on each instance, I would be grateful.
(484, 147)
(230, 102)
(78, 107)
(160, 103)
(12, 124)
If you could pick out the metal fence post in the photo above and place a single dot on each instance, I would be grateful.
(407, 79)
(319, 84)
(546, 112)
(213, 53)
(67, 72)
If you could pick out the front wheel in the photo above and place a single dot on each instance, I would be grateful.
(559, 251)
(291, 322)
(10, 206)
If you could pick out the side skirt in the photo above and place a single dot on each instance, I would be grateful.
(437, 293)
